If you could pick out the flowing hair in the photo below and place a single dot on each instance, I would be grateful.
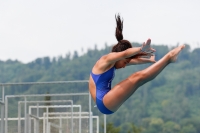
(122, 44)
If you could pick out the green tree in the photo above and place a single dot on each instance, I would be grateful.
(171, 127)
(135, 129)
(188, 129)
(110, 128)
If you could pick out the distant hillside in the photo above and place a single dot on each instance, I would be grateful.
(170, 101)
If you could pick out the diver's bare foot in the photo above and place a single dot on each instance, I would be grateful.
(174, 53)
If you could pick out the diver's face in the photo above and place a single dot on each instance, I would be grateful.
(122, 63)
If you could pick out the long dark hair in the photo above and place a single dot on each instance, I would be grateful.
(122, 44)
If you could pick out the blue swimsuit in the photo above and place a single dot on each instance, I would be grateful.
(103, 86)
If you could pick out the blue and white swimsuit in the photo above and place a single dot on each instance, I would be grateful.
(103, 86)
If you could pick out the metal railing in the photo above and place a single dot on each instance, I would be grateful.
(4, 101)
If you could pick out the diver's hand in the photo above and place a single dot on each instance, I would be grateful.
(146, 47)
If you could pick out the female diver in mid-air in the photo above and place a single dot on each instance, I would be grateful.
(109, 100)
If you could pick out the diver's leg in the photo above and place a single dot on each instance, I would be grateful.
(123, 90)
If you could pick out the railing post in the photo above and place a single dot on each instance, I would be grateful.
(25, 113)
(6, 115)
(2, 110)
(37, 123)
(104, 123)
(19, 117)
(90, 115)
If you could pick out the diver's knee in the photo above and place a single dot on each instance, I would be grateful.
(137, 77)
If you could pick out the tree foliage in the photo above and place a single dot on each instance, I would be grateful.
(169, 103)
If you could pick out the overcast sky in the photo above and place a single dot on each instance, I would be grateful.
(36, 28)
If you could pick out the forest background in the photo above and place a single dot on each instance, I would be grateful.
(167, 104)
